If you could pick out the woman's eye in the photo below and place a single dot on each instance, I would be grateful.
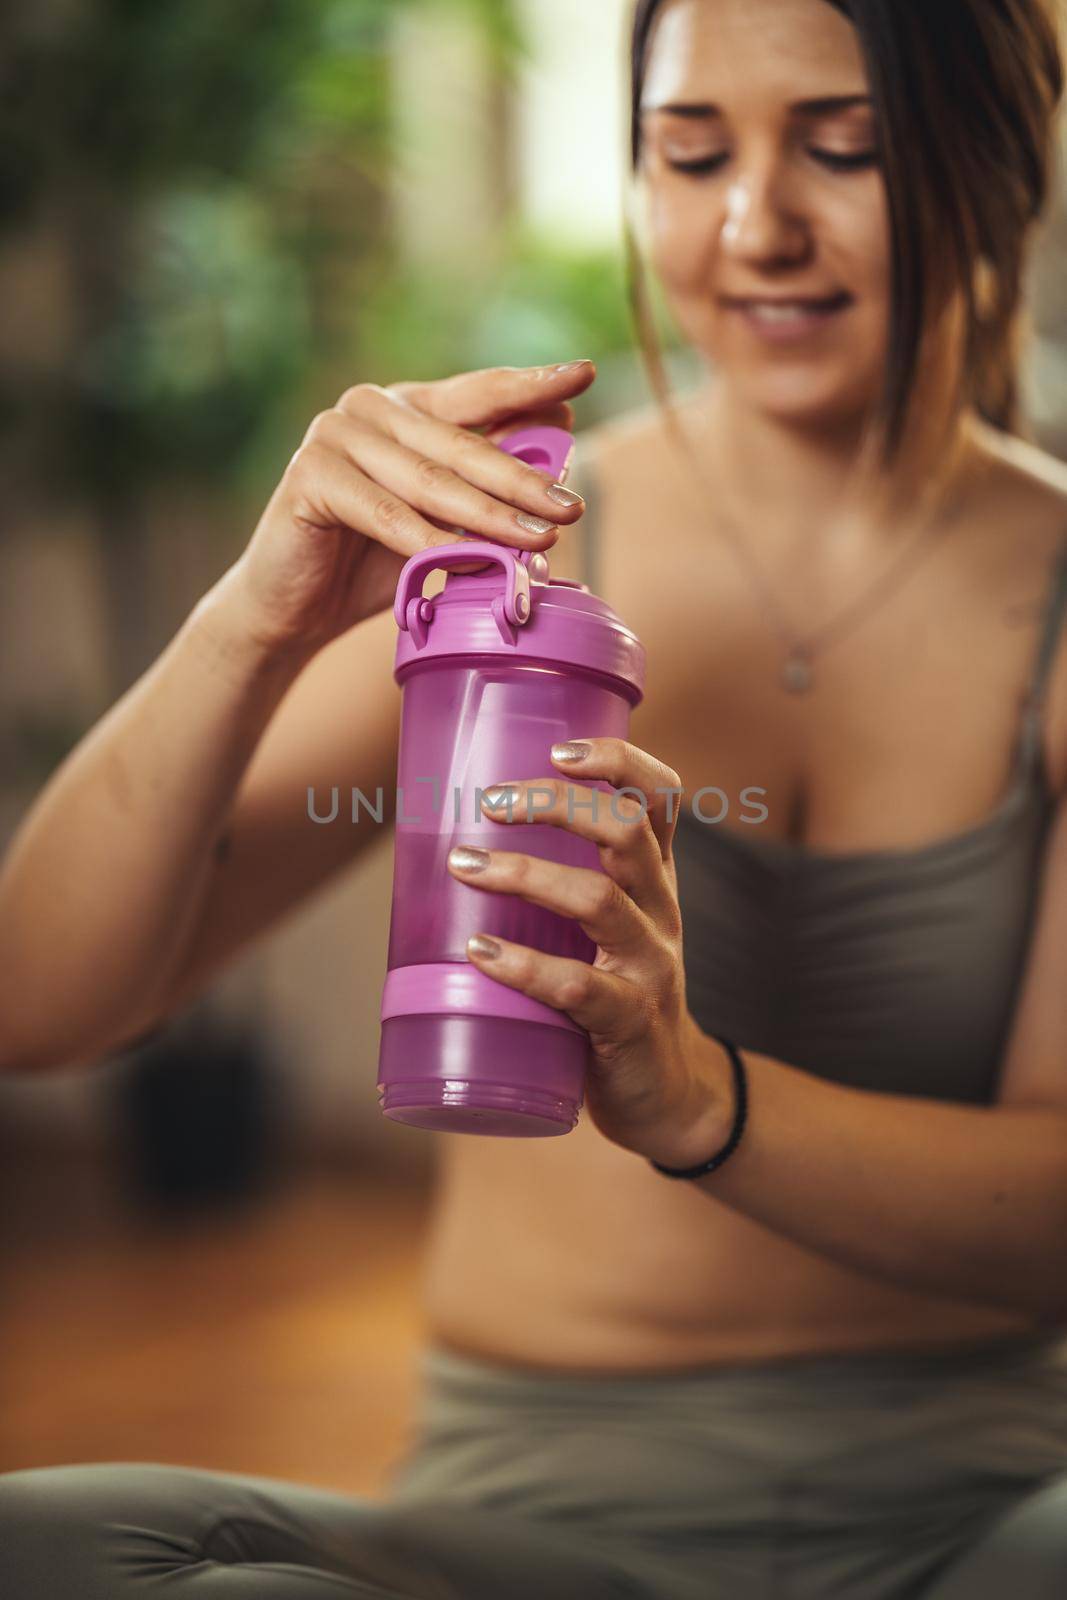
(836, 160)
(845, 161)
(699, 165)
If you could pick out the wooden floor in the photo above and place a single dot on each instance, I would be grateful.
(276, 1338)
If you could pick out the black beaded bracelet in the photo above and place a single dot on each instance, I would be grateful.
(740, 1113)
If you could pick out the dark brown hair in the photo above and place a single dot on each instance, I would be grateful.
(965, 94)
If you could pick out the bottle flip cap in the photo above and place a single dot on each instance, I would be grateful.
(549, 450)
(514, 608)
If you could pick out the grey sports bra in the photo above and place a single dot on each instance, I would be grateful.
(893, 969)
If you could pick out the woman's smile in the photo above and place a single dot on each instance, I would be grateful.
(784, 320)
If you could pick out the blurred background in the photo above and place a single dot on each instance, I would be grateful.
(213, 219)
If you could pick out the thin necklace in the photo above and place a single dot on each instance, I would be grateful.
(801, 647)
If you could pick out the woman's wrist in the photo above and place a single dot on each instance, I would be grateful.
(706, 1122)
(223, 625)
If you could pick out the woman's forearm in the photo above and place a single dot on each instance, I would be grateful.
(105, 875)
(967, 1201)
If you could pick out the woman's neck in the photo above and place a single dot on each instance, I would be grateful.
(792, 478)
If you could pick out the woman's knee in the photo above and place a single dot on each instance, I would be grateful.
(36, 1500)
(45, 1497)
(64, 1530)
(107, 1531)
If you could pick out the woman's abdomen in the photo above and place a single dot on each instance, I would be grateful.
(570, 1252)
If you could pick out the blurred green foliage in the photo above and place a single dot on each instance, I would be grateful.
(221, 176)
(536, 305)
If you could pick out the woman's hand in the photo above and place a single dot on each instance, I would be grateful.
(656, 1084)
(388, 472)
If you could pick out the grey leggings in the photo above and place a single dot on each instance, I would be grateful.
(888, 1476)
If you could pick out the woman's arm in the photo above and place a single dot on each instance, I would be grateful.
(178, 831)
(338, 726)
(107, 872)
(968, 1201)
(133, 876)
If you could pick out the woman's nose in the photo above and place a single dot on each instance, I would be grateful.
(760, 225)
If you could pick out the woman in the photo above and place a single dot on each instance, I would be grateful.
(815, 1350)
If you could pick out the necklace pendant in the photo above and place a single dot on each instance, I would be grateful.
(796, 674)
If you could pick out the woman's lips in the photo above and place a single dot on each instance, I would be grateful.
(783, 321)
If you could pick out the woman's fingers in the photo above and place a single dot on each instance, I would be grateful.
(599, 1001)
(432, 487)
(469, 456)
(413, 479)
(334, 493)
(631, 850)
(607, 915)
(480, 399)
(627, 767)
(630, 909)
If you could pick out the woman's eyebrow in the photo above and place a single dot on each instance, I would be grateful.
(822, 106)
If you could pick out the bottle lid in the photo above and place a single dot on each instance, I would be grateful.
(514, 609)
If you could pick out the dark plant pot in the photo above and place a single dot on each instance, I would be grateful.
(199, 1113)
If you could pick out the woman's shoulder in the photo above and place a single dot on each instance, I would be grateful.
(1026, 502)
(613, 463)
(622, 447)
(625, 462)
(1022, 483)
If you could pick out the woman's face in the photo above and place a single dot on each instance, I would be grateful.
(764, 194)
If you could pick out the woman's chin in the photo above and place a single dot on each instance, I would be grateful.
(803, 399)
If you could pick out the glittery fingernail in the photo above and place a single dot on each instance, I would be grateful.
(497, 798)
(468, 858)
(563, 497)
(534, 524)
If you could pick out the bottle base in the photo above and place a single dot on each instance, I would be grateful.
(476, 1074)
(477, 1108)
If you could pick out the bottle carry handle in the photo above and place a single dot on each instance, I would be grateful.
(547, 449)
(511, 608)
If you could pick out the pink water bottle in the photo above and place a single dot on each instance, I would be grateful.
(495, 669)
